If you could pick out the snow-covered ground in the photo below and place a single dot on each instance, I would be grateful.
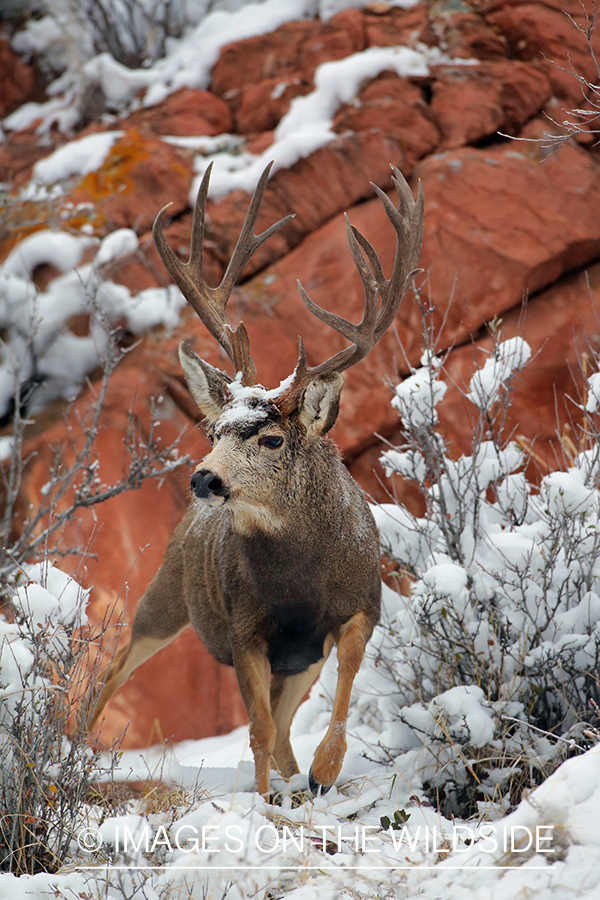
(228, 842)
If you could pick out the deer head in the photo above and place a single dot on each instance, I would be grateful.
(271, 427)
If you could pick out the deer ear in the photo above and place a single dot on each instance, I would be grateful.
(206, 384)
(320, 404)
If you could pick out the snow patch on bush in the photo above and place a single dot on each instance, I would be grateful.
(39, 351)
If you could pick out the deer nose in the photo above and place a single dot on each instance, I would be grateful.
(206, 484)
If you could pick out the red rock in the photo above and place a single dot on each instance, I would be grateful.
(18, 84)
(294, 50)
(140, 175)
(395, 109)
(501, 224)
(258, 143)
(547, 37)
(259, 107)
(338, 175)
(466, 34)
(395, 27)
(469, 103)
(19, 151)
(185, 113)
(341, 36)
(182, 692)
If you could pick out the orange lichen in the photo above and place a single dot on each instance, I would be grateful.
(115, 174)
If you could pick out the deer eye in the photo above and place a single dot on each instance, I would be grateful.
(211, 439)
(272, 441)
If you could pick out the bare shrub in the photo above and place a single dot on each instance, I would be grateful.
(47, 676)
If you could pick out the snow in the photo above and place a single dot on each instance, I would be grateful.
(249, 404)
(58, 358)
(55, 248)
(227, 825)
(6, 447)
(186, 67)
(418, 395)
(468, 720)
(593, 400)
(510, 356)
(116, 245)
(568, 492)
(49, 597)
(547, 848)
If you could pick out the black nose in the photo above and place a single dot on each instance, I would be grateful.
(206, 484)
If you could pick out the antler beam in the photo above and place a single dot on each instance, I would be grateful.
(408, 224)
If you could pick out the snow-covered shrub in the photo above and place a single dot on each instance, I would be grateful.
(51, 339)
(47, 678)
(44, 691)
(495, 655)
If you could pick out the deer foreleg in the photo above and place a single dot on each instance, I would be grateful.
(124, 664)
(329, 757)
(286, 697)
(253, 673)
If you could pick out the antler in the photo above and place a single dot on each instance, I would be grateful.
(408, 223)
(211, 303)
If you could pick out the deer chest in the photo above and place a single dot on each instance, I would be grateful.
(295, 637)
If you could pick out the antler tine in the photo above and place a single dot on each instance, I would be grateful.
(407, 220)
(197, 239)
(210, 303)
(249, 242)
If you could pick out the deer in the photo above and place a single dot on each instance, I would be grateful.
(278, 556)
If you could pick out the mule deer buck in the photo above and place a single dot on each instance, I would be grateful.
(278, 556)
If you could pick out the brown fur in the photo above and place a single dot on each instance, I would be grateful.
(270, 577)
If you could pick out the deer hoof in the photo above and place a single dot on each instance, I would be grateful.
(316, 788)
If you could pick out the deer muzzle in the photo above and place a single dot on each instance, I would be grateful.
(205, 485)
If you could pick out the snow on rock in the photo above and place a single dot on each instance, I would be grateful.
(55, 248)
(308, 124)
(77, 158)
(119, 243)
(187, 63)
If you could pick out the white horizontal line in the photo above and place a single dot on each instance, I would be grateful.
(316, 868)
